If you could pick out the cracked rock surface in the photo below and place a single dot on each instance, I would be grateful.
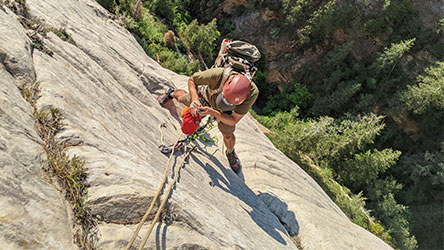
(33, 213)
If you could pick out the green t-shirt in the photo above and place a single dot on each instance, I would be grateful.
(212, 78)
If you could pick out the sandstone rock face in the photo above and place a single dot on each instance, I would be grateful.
(33, 213)
(106, 87)
(15, 49)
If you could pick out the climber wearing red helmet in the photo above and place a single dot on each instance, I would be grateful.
(228, 104)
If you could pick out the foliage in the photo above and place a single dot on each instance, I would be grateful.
(285, 128)
(294, 95)
(392, 16)
(428, 94)
(149, 31)
(63, 35)
(227, 28)
(351, 204)
(342, 149)
(336, 101)
(280, 120)
(423, 177)
(296, 11)
(325, 140)
(200, 38)
(173, 11)
(69, 173)
(319, 20)
(363, 168)
(387, 60)
(440, 29)
(392, 214)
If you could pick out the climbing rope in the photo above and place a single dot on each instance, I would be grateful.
(156, 196)
(182, 145)
(162, 125)
(176, 175)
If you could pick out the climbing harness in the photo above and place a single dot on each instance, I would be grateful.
(184, 144)
(200, 132)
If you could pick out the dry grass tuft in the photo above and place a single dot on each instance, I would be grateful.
(69, 173)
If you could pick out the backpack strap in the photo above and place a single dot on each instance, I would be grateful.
(226, 74)
(241, 66)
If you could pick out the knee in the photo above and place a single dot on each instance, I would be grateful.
(182, 96)
(228, 136)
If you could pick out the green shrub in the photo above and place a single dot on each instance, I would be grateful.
(294, 95)
(173, 11)
(227, 28)
(149, 32)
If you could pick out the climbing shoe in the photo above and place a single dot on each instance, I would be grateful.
(166, 96)
(234, 162)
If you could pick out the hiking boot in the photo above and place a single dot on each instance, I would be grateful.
(165, 96)
(234, 162)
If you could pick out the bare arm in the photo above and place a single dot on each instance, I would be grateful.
(222, 117)
(192, 89)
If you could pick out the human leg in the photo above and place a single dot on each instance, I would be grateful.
(230, 141)
(182, 96)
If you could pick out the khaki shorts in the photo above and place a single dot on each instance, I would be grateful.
(223, 128)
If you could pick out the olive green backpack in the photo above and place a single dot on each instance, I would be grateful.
(240, 56)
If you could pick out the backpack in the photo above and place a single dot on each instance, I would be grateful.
(240, 56)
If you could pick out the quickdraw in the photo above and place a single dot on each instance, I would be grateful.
(184, 144)
(181, 145)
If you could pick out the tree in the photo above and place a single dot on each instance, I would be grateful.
(387, 60)
(428, 94)
(394, 216)
(296, 11)
(362, 169)
(423, 177)
(199, 39)
(328, 141)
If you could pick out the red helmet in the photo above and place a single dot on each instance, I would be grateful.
(236, 89)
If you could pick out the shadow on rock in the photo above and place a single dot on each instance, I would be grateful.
(235, 186)
(280, 209)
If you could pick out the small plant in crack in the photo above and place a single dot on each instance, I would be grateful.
(49, 123)
(19, 7)
(63, 35)
(69, 173)
(37, 30)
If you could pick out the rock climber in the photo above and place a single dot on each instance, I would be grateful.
(226, 96)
